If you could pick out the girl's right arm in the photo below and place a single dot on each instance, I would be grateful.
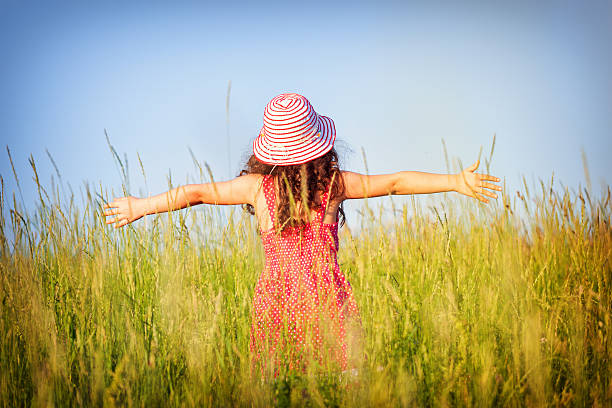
(467, 182)
(241, 190)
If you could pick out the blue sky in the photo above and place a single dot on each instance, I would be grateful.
(396, 77)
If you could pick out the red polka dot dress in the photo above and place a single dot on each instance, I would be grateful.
(304, 311)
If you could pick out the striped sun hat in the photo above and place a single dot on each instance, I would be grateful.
(293, 133)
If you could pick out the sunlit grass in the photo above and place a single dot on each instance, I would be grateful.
(460, 304)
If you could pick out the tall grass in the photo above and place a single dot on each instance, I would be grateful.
(460, 304)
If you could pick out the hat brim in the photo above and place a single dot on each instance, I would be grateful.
(297, 151)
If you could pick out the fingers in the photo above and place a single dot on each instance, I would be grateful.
(491, 186)
(115, 202)
(474, 166)
(476, 185)
(115, 214)
(111, 204)
(121, 223)
(481, 198)
(483, 192)
(488, 177)
(488, 193)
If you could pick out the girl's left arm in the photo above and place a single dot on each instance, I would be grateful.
(124, 210)
(467, 182)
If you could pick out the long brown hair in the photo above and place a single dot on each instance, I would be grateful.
(299, 184)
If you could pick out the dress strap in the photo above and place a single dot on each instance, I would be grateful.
(268, 188)
(324, 203)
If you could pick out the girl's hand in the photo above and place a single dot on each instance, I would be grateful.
(124, 210)
(475, 184)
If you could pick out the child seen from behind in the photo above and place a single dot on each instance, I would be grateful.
(304, 315)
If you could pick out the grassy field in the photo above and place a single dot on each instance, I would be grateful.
(461, 305)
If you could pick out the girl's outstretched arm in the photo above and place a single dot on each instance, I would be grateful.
(124, 210)
(467, 182)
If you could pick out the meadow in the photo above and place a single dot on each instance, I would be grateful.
(461, 305)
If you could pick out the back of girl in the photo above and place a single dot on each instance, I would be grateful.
(304, 312)
(304, 315)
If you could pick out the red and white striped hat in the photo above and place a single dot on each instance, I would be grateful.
(293, 133)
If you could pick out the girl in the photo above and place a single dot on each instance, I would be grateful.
(304, 313)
